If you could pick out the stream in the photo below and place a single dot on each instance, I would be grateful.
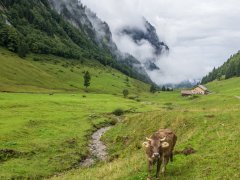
(97, 148)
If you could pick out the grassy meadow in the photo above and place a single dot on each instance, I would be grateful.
(46, 73)
(209, 124)
(50, 133)
(42, 134)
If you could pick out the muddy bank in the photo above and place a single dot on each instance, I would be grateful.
(97, 148)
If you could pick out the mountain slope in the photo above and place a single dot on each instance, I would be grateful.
(98, 31)
(34, 27)
(229, 69)
(47, 73)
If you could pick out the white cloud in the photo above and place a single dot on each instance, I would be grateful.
(200, 34)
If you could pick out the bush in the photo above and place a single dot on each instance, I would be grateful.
(125, 93)
(118, 112)
(195, 96)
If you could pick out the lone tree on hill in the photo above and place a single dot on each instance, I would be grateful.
(125, 93)
(163, 88)
(153, 88)
(87, 79)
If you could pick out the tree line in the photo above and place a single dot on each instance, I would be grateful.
(229, 69)
(154, 88)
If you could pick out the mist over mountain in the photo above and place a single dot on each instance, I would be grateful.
(63, 28)
(97, 30)
(146, 35)
(200, 34)
(86, 20)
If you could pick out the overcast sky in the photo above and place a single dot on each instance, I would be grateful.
(200, 34)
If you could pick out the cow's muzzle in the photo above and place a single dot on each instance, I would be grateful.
(155, 155)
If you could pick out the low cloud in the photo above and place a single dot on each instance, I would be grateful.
(200, 34)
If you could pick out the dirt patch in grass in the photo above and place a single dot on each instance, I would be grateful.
(187, 151)
(6, 154)
(209, 116)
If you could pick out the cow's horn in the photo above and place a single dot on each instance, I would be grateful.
(145, 144)
(148, 139)
(163, 139)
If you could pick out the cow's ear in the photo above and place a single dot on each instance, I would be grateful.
(145, 144)
(165, 144)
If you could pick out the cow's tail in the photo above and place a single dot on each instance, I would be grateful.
(171, 157)
(174, 143)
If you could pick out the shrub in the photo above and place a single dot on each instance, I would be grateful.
(194, 97)
(125, 93)
(118, 112)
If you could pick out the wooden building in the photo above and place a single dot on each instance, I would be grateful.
(200, 89)
(186, 93)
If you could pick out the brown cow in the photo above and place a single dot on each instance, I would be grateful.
(159, 148)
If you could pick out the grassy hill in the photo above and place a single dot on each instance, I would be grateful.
(209, 124)
(46, 73)
(42, 135)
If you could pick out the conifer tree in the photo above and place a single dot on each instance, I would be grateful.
(87, 79)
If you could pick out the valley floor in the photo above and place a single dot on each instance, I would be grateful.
(43, 134)
(209, 124)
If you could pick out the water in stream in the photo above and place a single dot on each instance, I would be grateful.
(97, 148)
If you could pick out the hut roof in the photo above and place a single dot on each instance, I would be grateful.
(202, 87)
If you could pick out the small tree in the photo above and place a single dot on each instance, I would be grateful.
(153, 88)
(22, 49)
(127, 79)
(87, 79)
(163, 88)
(125, 93)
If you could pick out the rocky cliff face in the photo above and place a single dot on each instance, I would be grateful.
(146, 34)
(99, 32)
(96, 29)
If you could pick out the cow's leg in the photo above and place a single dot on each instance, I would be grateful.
(150, 167)
(171, 157)
(165, 162)
(159, 162)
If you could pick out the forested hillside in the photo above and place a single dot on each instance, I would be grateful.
(229, 69)
(32, 26)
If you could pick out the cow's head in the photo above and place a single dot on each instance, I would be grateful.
(154, 146)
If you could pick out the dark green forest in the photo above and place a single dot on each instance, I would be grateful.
(31, 26)
(229, 69)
